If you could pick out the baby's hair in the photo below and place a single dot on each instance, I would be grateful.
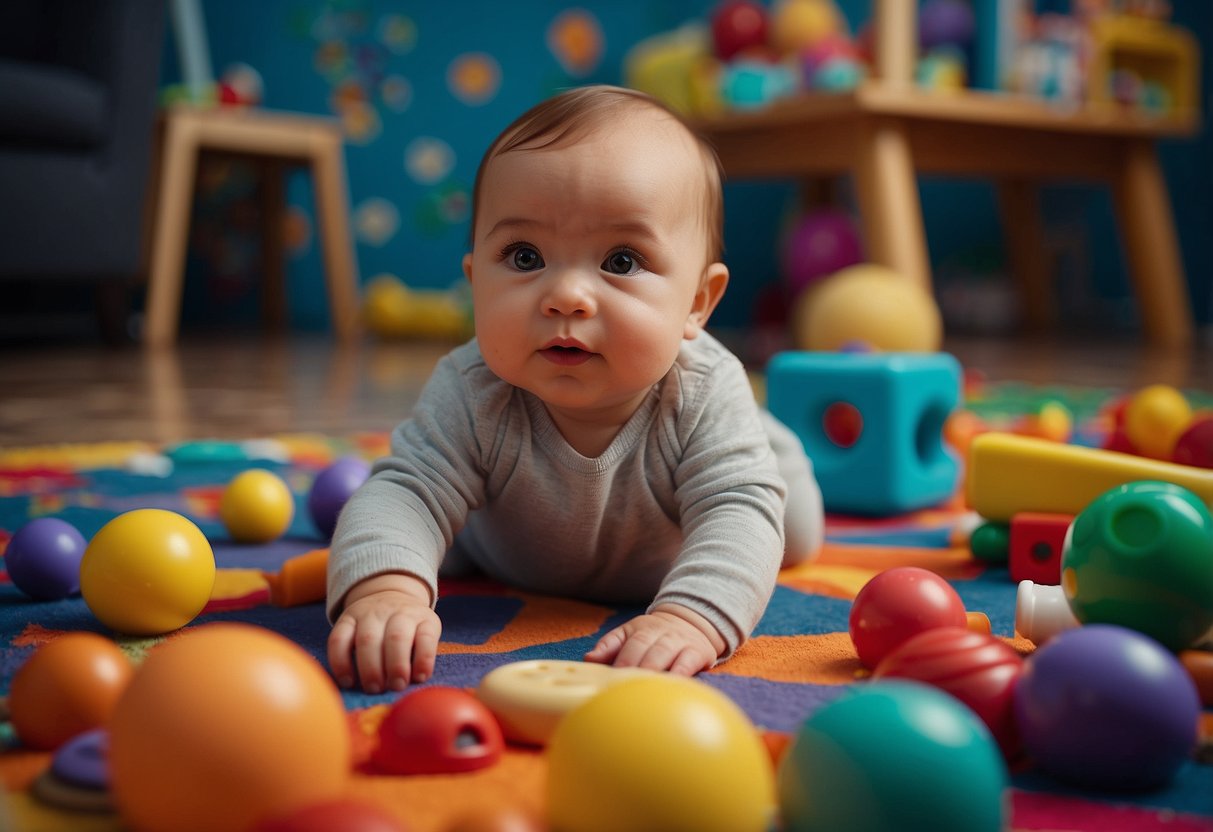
(573, 113)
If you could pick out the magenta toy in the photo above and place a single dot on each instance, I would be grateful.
(331, 488)
(1103, 706)
(43, 559)
(437, 730)
(898, 604)
(978, 669)
(821, 243)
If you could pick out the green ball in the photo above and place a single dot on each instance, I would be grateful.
(991, 543)
(893, 755)
(1141, 556)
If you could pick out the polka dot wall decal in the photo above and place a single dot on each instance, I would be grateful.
(575, 39)
(398, 33)
(428, 160)
(360, 122)
(396, 92)
(376, 221)
(474, 77)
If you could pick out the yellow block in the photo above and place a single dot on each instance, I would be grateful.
(1009, 474)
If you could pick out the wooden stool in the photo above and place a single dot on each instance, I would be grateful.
(276, 140)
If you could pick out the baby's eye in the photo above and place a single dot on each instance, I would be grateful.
(623, 262)
(525, 259)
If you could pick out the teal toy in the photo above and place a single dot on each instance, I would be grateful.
(1141, 556)
(893, 755)
(898, 462)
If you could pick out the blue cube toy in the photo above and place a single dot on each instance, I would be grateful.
(873, 425)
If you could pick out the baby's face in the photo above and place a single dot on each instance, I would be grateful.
(587, 262)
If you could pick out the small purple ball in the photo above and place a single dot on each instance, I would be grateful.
(821, 243)
(945, 23)
(43, 559)
(1106, 707)
(331, 488)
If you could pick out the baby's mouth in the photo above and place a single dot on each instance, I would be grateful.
(565, 356)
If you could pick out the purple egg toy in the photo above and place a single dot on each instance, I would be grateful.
(43, 559)
(331, 488)
(1106, 707)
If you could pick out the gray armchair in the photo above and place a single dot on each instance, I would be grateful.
(78, 82)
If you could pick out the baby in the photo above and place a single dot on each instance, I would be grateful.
(592, 441)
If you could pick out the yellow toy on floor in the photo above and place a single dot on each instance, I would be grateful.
(391, 309)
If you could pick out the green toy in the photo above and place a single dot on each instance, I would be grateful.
(1141, 556)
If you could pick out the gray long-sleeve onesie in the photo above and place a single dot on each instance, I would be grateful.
(685, 506)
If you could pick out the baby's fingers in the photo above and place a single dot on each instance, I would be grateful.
(425, 648)
(368, 653)
(340, 648)
(607, 648)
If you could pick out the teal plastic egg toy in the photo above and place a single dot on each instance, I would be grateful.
(1141, 556)
(893, 755)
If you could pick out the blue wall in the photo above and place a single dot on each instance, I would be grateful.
(416, 138)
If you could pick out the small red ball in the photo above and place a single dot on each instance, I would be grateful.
(1195, 445)
(898, 604)
(738, 25)
(979, 670)
(842, 424)
(437, 730)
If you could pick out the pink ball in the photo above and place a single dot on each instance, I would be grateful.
(737, 26)
(821, 243)
(898, 604)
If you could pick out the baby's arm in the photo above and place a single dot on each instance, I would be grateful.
(670, 637)
(388, 631)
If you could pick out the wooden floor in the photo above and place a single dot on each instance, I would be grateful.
(231, 387)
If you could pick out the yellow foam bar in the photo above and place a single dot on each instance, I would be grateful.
(1008, 474)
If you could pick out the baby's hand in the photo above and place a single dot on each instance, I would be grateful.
(389, 630)
(670, 638)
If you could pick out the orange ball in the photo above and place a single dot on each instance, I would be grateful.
(1155, 417)
(222, 726)
(68, 686)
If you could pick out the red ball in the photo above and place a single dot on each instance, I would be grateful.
(437, 730)
(1195, 445)
(898, 604)
(738, 25)
(842, 424)
(1119, 441)
(976, 668)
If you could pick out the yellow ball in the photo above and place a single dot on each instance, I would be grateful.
(870, 304)
(147, 572)
(257, 507)
(797, 25)
(659, 754)
(1155, 418)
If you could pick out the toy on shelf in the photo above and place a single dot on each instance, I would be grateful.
(1141, 556)
(1144, 64)
(868, 303)
(1105, 707)
(393, 310)
(739, 27)
(661, 752)
(896, 460)
(223, 725)
(147, 572)
(893, 754)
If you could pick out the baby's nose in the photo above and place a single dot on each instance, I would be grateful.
(569, 293)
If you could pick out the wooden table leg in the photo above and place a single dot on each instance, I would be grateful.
(887, 192)
(1152, 247)
(332, 210)
(1019, 202)
(179, 162)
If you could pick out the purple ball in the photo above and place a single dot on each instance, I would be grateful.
(331, 488)
(822, 243)
(945, 23)
(1106, 707)
(43, 559)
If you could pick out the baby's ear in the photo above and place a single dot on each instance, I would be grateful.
(711, 290)
(467, 266)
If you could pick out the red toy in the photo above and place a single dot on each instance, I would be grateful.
(1195, 445)
(343, 814)
(979, 670)
(1036, 543)
(898, 604)
(737, 26)
(437, 730)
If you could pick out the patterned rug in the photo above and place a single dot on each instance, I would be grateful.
(799, 658)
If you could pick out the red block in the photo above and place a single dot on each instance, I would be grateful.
(1036, 541)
